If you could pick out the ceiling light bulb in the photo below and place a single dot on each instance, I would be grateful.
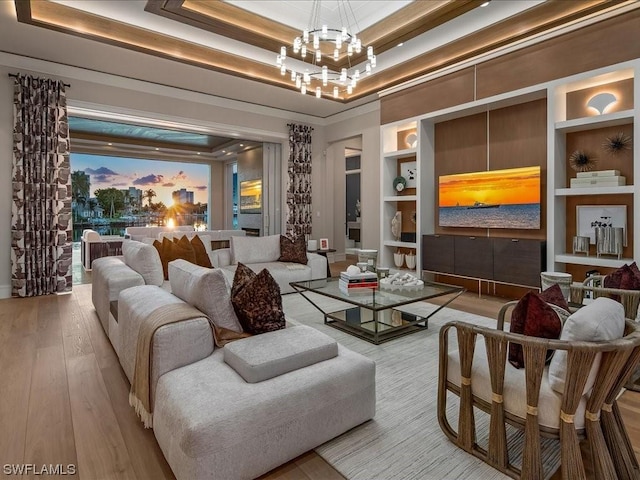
(356, 74)
(316, 41)
(283, 52)
(298, 81)
(325, 75)
(338, 40)
(283, 69)
(367, 68)
(358, 46)
(343, 75)
(344, 34)
(303, 51)
(349, 89)
(336, 54)
(325, 31)
(318, 55)
(303, 89)
(307, 77)
(369, 52)
(335, 92)
(373, 62)
(349, 49)
(305, 36)
(318, 92)
(293, 75)
(278, 60)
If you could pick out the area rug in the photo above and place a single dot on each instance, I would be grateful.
(404, 440)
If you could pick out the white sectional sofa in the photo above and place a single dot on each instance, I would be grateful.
(239, 411)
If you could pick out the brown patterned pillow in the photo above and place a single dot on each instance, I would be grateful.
(202, 258)
(293, 250)
(257, 301)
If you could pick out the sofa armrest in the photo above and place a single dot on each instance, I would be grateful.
(220, 257)
(109, 277)
(318, 265)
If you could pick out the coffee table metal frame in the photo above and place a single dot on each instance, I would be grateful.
(374, 316)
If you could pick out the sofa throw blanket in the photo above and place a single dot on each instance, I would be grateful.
(140, 394)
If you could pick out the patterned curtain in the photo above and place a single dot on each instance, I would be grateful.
(41, 212)
(299, 213)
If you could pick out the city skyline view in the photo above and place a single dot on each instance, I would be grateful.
(161, 176)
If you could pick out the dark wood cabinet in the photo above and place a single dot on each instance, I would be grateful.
(473, 257)
(506, 260)
(437, 253)
(518, 261)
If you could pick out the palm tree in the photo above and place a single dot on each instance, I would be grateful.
(91, 205)
(149, 194)
(79, 190)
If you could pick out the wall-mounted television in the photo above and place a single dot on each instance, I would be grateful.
(491, 199)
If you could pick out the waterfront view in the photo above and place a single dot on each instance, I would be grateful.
(112, 193)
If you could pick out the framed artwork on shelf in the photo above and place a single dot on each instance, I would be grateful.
(408, 170)
(588, 217)
(324, 244)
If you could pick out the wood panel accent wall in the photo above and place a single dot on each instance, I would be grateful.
(598, 45)
(460, 146)
(508, 137)
(443, 92)
(577, 100)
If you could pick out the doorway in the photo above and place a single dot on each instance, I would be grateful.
(352, 201)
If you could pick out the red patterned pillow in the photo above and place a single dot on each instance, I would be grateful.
(533, 316)
(626, 277)
(293, 250)
(257, 301)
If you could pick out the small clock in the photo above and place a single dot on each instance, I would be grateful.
(399, 183)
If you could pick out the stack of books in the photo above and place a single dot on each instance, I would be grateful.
(359, 283)
(601, 178)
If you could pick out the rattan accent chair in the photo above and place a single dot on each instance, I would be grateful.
(478, 381)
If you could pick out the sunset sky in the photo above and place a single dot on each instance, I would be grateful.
(163, 177)
(504, 187)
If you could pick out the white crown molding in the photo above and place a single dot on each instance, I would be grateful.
(614, 11)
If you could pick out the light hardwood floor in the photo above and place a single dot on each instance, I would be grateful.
(64, 396)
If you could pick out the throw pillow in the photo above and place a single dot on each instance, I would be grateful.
(257, 301)
(601, 320)
(624, 277)
(293, 250)
(222, 335)
(533, 316)
(172, 250)
(202, 258)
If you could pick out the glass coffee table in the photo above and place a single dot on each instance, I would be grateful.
(373, 314)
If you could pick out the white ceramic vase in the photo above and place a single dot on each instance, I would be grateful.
(410, 258)
(398, 259)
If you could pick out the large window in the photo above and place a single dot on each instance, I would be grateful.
(111, 193)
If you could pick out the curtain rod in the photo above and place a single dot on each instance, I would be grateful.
(15, 75)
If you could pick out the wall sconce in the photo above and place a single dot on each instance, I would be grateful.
(601, 102)
(411, 140)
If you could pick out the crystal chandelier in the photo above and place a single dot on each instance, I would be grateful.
(316, 44)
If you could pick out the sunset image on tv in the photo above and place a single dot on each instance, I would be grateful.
(492, 199)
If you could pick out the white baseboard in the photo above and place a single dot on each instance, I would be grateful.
(5, 291)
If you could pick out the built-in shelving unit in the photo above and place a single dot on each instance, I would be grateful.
(564, 130)
(588, 125)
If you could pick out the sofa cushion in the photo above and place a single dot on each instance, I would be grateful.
(275, 353)
(534, 316)
(257, 301)
(255, 249)
(206, 289)
(293, 250)
(200, 250)
(601, 320)
(144, 259)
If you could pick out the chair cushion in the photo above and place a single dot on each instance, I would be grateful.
(255, 249)
(514, 397)
(293, 250)
(534, 316)
(145, 260)
(257, 301)
(206, 289)
(601, 320)
(266, 356)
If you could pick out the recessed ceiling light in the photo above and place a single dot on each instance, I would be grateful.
(157, 148)
(110, 144)
(485, 3)
(400, 44)
(198, 153)
(224, 151)
(242, 144)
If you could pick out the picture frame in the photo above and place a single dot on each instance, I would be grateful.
(324, 244)
(589, 216)
(251, 196)
(409, 170)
